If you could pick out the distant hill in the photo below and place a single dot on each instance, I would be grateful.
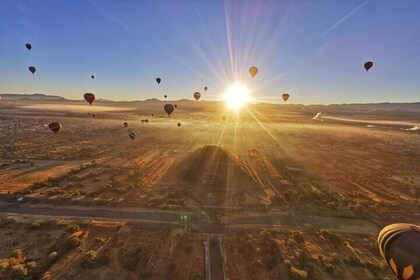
(32, 96)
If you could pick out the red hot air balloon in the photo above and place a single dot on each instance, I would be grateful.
(89, 97)
(368, 65)
(169, 108)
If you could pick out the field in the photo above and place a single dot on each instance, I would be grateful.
(309, 205)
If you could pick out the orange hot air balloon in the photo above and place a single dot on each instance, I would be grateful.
(399, 245)
(285, 96)
(368, 65)
(169, 108)
(55, 126)
(253, 71)
(197, 95)
(252, 152)
(89, 97)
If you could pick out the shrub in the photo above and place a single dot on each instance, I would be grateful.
(72, 228)
(298, 274)
(89, 259)
(17, 254)
(100, 239)
(297, 235)
(18, 272)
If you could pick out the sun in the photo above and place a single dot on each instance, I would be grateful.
(236, 96)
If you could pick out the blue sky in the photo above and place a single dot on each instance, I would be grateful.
(313, 50)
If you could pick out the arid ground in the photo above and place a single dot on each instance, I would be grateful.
(189, 202)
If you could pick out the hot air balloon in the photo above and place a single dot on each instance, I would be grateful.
(206, 88)
(89, 97)
(153, 115)
(368, 65)
(142, 121)
(197, 95)
(146, 121)
(252, 152)
(89, 114)
(93, 115)
(285, 96)
(28, 46)
(132, 135)
(169, 108)
(165, 96)
(178, 124)
(93, 77)
(55, 126)
(399, 245)
(253, 71)
(158, 80)
(176, 106)
(125, 124)
(32, 69)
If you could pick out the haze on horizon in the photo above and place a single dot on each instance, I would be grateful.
(313, 50)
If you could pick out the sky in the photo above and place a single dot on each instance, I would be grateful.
(313, 50)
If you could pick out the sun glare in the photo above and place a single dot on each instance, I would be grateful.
(236, 96)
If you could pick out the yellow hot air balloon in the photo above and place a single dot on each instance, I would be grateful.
(253, 71)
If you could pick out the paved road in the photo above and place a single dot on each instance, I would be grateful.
(344, 224)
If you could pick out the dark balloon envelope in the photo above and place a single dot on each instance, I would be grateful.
(158, 80)
(28, 46)
(89, 97)
(179, 124)
(55, 126)
(368, 65)
(399, 245)
(125, 124)
(197, 95)
(165, 96)
(32, 69)
(132, 135)
(93, 77)
(285, 96)
(206, 88)
(169, 108)
(176, 106)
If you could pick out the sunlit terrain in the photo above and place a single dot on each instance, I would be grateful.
(313, 198)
